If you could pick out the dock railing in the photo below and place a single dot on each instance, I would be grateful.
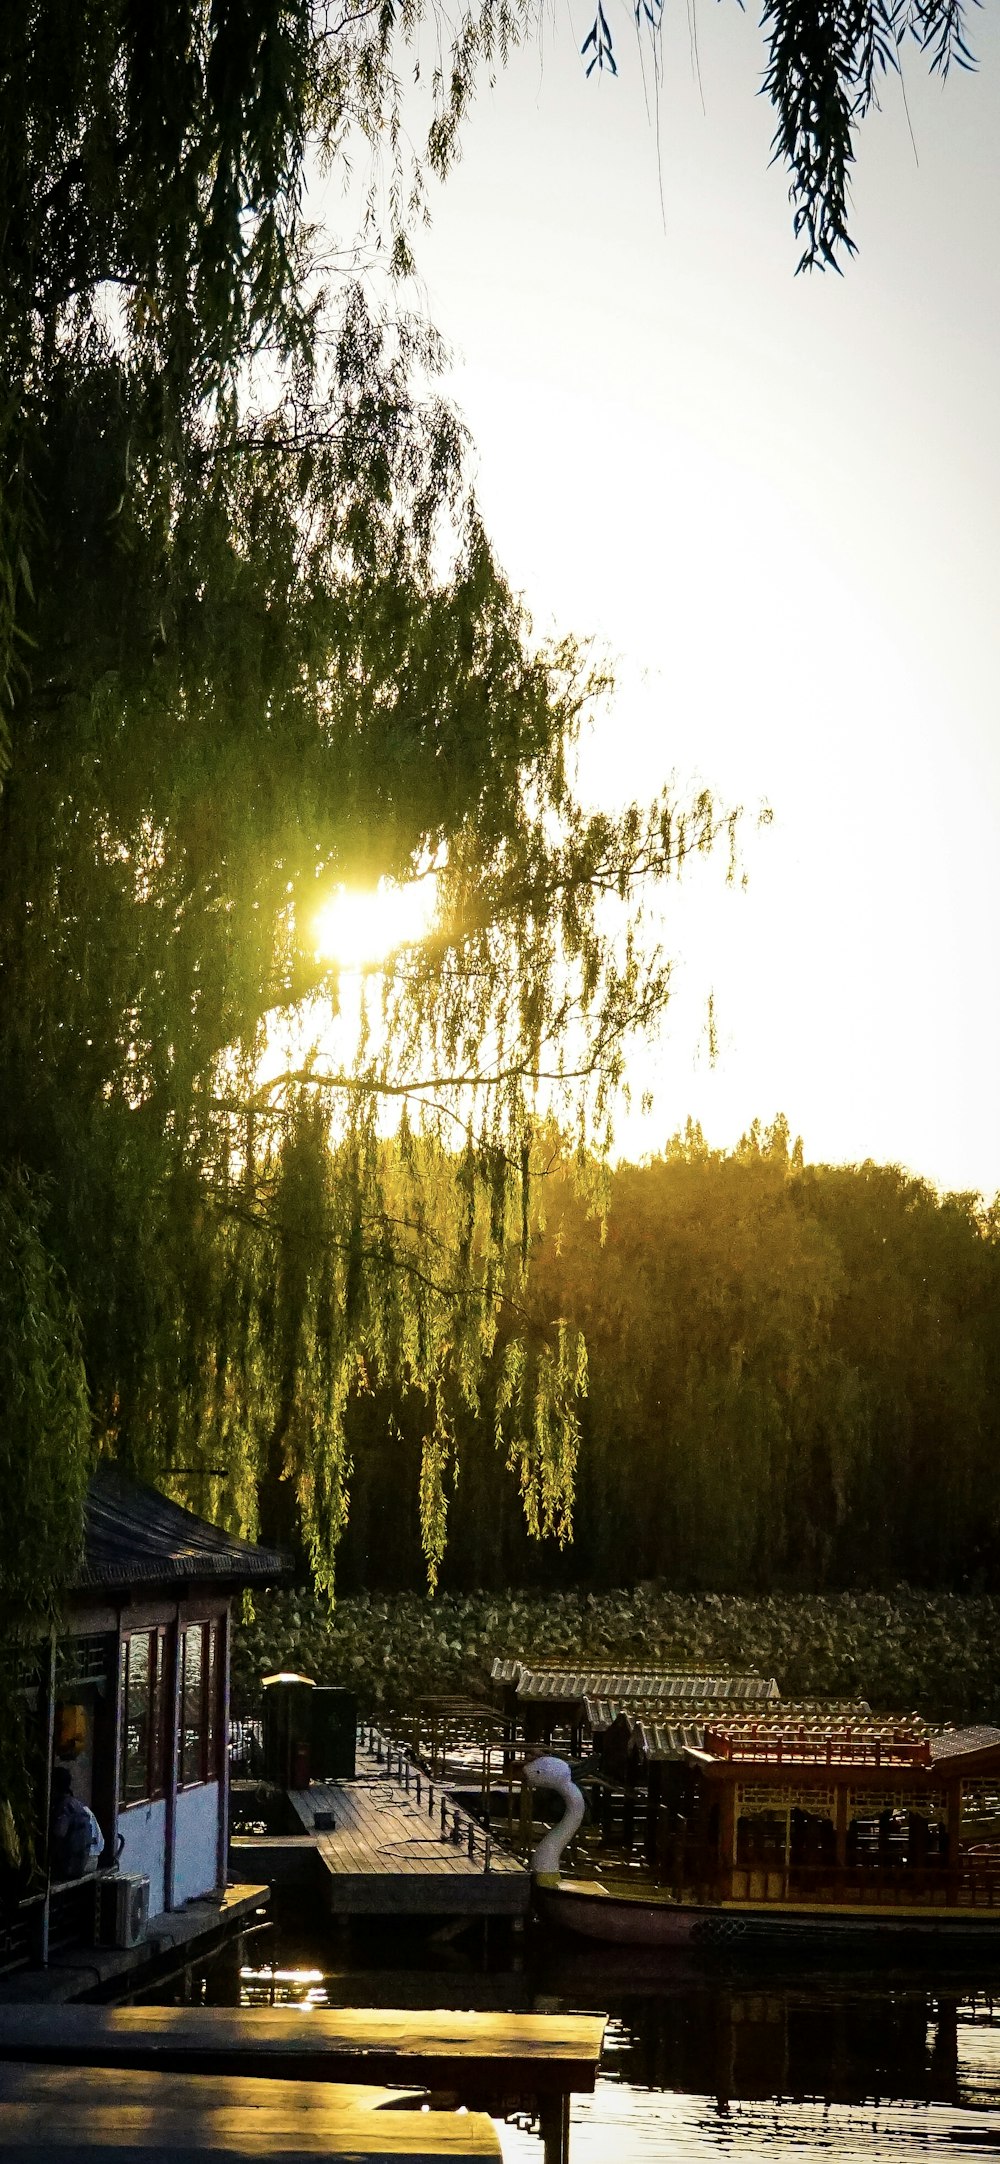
(434, 1793)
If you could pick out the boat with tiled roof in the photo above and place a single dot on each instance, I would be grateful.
(777, 1827)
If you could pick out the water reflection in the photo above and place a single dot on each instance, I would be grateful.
(840, 2038)
(703, 2061)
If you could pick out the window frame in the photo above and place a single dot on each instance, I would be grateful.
(157, 1716)
(206, 1740)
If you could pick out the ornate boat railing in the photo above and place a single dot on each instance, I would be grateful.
(756, 1744)
(970, 1884)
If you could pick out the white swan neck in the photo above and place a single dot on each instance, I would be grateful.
(554, 1773)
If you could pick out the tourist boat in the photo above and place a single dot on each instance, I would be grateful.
(775, 1832)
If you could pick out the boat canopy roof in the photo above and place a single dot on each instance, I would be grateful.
(967, 1750)
(655, 1740)
(571, 1686)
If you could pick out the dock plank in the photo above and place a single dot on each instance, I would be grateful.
(91, 2111)
(386, 1855)
(246, 2131)
(475, 2054)
(26, 2081)
(374, 2137)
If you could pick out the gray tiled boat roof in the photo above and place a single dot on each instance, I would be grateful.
(598, 1713)
(504, 1670)
(664, 1739)
(569, 1686)
(659, 1740)
(509, 1667)
(136, 1536)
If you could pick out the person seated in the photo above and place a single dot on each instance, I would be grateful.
(75, 1838)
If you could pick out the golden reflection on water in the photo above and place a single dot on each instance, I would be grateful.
(620, 2124)
(305, 1988)
(699, 2071)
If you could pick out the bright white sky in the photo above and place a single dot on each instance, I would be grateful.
(776, 502)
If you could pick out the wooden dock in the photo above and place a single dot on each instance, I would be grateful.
(172, 1941)
(392, 1842)
(94, 2113)
(483, 2060)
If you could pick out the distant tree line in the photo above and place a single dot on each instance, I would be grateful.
(793, 1377)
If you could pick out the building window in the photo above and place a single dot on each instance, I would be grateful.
(143, 1676)
(200, 1654)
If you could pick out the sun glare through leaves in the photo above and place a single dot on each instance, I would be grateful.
(360, 928)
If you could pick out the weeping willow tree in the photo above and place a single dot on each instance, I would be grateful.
(45, 1457)
(160, 165)
(287, 663)
(255, 646)
(46, 1442)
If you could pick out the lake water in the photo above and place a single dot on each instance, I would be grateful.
(703, 2065)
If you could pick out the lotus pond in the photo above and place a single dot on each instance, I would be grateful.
(902, 1650)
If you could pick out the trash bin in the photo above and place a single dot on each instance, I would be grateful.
(287, 1729)
(334, 1715)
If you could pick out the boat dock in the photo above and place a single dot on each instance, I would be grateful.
(486, 2061)
(390, 1842)
(77, 1969)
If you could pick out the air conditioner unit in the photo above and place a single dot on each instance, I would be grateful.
(122, 1909)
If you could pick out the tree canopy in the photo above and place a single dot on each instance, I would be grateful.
(263, 651)
(254, 645)
(792, 1384)
(238, 697)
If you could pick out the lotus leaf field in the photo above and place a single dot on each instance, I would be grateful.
(905, 1651)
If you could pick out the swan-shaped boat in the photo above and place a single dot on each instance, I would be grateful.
(855, 1837)
(587, 1906)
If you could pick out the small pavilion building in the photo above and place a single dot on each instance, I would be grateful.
(141, 1701)
(132, 1699)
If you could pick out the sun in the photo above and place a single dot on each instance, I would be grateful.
(360, 927)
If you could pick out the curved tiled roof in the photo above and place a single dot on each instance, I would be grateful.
(136, 1536)
(809, 1718)
(598, 1713)
(567, 1686)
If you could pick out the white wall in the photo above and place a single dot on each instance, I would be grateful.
(143, 1828)
(196, 1842)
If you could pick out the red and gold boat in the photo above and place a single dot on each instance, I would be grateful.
(765, 1830)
